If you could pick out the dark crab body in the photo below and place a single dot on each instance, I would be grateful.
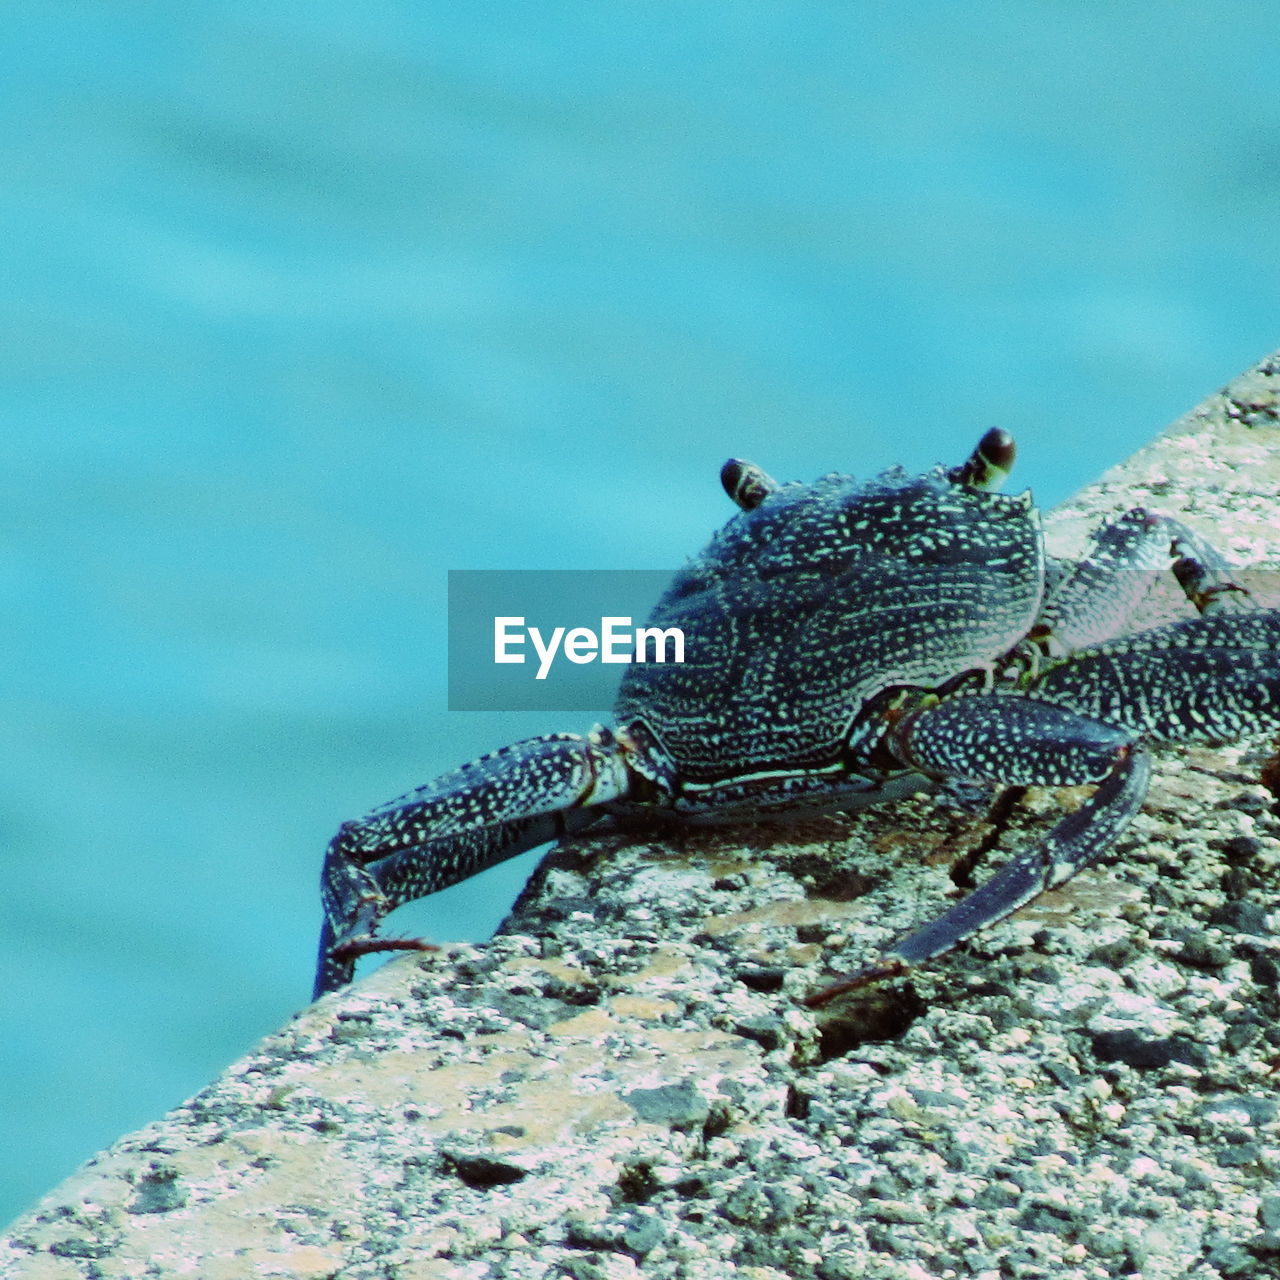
(807, 607)
(847, 643)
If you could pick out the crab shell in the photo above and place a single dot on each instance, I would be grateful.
(803, 609)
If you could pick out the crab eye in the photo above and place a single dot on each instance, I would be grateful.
(989, 463)
(746, 483)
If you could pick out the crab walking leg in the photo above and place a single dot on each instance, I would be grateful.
(1074, 843)
(483, 813)
(1214, 678)
(366, 894)
(994, 737)
(1097, 598)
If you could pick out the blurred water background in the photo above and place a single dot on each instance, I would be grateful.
(306, 304)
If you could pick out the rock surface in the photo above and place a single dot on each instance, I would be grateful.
(623, 1083)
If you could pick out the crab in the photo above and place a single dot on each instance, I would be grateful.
(849, 643)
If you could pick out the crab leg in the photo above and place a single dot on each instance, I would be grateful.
(1068, 848)
(483, 813)
(1209, 679)
(1097, 598)
(995, 737)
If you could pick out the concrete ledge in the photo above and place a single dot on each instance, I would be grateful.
(623, 1083)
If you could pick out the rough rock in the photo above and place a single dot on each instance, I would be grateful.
(623, 1082)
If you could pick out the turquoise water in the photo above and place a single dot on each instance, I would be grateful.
(305, 305)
